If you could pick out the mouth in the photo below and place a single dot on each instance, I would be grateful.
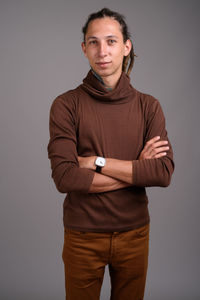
(103, 64)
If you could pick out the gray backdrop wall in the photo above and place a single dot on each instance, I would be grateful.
(41, 58)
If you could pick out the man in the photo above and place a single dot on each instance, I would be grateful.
(107, 143)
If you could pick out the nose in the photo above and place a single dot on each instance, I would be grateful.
(102, 50)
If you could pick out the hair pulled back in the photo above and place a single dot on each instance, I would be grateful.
(128, 60)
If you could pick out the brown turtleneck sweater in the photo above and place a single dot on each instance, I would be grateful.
(91, 120)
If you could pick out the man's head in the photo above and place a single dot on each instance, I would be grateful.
(107, 43)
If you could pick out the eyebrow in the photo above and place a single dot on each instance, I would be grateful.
(107, 37)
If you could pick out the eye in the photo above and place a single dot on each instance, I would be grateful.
(92, 42)
(111, 41)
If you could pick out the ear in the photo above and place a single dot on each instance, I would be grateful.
(84, 48)
(127, 47)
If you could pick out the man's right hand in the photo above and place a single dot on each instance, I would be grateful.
(154, 149)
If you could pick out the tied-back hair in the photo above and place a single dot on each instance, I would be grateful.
(128, 60)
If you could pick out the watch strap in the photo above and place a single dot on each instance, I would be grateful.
(98, 169)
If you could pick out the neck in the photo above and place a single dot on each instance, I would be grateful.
(112, 80)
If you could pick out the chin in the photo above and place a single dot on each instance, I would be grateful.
(103, 72)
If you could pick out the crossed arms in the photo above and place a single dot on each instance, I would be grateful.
(72, 173)
(119, 174)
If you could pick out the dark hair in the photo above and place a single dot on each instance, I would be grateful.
(105, 12)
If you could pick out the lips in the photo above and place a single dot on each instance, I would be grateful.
(103, 63)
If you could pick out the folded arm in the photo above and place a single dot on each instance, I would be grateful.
(62, 152)
(123, 170)
(102, 183)
(62, 149)
(154, 166)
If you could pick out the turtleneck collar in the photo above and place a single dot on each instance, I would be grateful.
(101, 80)
(93, 86)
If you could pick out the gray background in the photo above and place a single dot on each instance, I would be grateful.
(41, 58)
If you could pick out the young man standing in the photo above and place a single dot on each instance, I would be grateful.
(107, 143)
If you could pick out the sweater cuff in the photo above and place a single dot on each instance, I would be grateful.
(136, 170)
(85, 180)
(145, 173)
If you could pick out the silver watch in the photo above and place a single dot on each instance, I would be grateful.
(100, 162)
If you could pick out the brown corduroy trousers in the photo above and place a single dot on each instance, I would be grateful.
(85, 255)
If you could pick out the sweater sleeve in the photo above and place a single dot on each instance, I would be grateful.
(62, 149)
(157, 171)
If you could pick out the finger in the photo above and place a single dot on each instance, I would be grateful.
(153, 140)
(156, 145)
(159, 144)
(160, 155)
(158, 150)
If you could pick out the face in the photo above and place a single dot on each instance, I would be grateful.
(104, 47)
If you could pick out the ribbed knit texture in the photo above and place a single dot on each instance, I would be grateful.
(90, 120)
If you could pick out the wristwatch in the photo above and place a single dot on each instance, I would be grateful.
(100, 162)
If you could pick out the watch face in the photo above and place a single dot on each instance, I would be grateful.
(100, 161)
